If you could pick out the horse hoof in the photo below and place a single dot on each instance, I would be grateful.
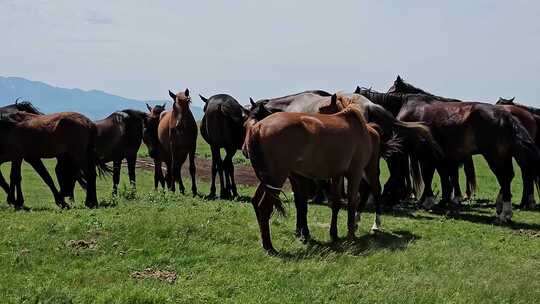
(429, 202)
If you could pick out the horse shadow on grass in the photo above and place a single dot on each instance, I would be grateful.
(361, 246)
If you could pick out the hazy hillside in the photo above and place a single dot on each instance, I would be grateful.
(95, 104)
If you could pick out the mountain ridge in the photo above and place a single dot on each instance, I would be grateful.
(94, 103)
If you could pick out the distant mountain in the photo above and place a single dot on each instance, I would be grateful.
(49, 99)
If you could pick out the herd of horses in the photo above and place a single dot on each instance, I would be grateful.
(328, 146)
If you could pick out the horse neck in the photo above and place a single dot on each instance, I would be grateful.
(389, 101)
(533, 110)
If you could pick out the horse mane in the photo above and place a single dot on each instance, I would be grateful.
(351, 107)
(135, 113)
(410, 88)
(27, 106)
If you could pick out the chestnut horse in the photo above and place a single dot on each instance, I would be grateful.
(177, 134)
(526, 118)
(62, 135)
(464, 129)
(317, 146)
(222, 126)
(151, 141)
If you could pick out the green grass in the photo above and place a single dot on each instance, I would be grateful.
(213, 246)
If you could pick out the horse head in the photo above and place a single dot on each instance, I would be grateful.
(504, 101)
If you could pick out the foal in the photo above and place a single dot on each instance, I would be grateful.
(317, 146)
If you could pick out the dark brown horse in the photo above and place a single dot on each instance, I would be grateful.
(62, 135)
(119, 137)
(525, 118)
(151, 141)
(317, 146)
(222, 126)
(177, 134)
(463, 129)
(37, 164)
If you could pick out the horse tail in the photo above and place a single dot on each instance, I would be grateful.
(525, 149)
(256, 157)
(470, 174)
(388, 147)
(413, 133)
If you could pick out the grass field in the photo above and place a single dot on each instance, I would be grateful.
(92, 256)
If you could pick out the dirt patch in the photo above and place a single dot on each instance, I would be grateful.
(82, 244)
(243, 174)
(149, 273)
(528, 233)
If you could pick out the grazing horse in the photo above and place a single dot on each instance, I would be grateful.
(151, 141)
(317, 146)
(222, 126)
(525, 118)
(177, 134)
(62, 135)
(464, 129)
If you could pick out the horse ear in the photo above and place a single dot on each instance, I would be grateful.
(173, 96)
(252, 102)
(204, 99)
(357, 91)
(186, 92)
(148, 107)
(399, 79)
(512, 99)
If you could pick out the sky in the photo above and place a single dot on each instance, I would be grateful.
(475, 50)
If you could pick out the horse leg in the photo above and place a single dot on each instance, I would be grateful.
(454, 179)
(300, 189)
(181, 158)
(212, 193)
(3, 184)
(527, 199)
(117, 164)
(131, 162)
(192, 172)
(504, 172)
(353, 186)
(428, 199)
(88, 164)
(230, 169)
(372, 173)
(15, 178)
(263, 210)
(37, 164)
(219, 168)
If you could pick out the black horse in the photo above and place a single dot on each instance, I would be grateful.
(464, 129)
(222, 127)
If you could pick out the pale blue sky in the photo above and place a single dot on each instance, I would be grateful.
(466, 49)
